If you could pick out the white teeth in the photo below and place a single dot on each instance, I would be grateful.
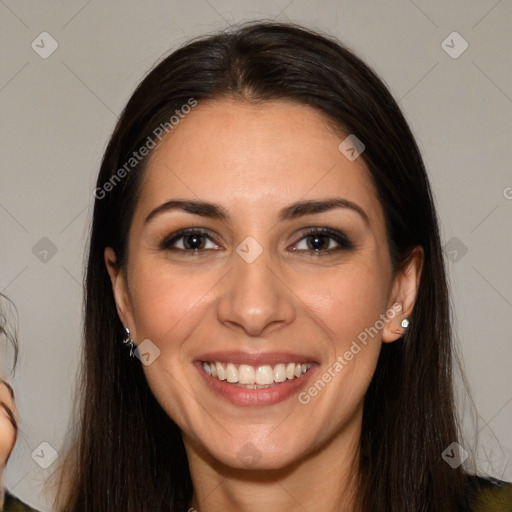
(231, 373)
(279, 373)
(221, 375)
(246, 374)
(263, 376)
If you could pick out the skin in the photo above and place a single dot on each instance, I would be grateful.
(7, 433)
(255, 160)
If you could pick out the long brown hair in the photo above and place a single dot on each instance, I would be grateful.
(128, 454)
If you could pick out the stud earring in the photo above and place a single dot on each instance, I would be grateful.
(405, 323)
(129, 342)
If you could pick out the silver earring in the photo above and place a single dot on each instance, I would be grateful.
(405, 323)
(129, 342)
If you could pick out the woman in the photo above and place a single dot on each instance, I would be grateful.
(8, 424)
(8, 435)
(8, 431)
(265, 243)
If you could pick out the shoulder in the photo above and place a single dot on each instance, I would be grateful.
(13, 504)
(491, 494)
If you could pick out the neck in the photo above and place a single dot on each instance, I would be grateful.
(322, 481)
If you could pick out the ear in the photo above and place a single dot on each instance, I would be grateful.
(403, 295)
(120, 290)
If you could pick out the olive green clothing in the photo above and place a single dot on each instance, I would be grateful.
(13, 504)
(491, 496)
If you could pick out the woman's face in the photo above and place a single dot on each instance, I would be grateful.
(254, 299)
(7, 431)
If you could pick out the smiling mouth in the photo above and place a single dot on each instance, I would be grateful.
(255, 377)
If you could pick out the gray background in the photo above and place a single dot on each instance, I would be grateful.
(57, 114)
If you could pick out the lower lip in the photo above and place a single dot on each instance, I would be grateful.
(255, 397)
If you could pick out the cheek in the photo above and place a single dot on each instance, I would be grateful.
(167, 304)
(348, 302)
(7, 438)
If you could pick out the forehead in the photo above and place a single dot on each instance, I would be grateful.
(270, 153)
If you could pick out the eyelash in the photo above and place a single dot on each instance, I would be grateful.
(340, 238)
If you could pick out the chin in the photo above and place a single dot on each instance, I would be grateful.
(251, 454)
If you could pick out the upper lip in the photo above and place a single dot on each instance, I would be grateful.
(255, 358)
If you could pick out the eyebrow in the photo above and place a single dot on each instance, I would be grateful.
(290, 212)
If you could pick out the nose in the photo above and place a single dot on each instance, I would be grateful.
(255, 298)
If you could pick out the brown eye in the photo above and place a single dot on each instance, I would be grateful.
(190, 240)
(323, 240)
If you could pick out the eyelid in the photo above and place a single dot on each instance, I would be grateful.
(166, 242)
(343, 241)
